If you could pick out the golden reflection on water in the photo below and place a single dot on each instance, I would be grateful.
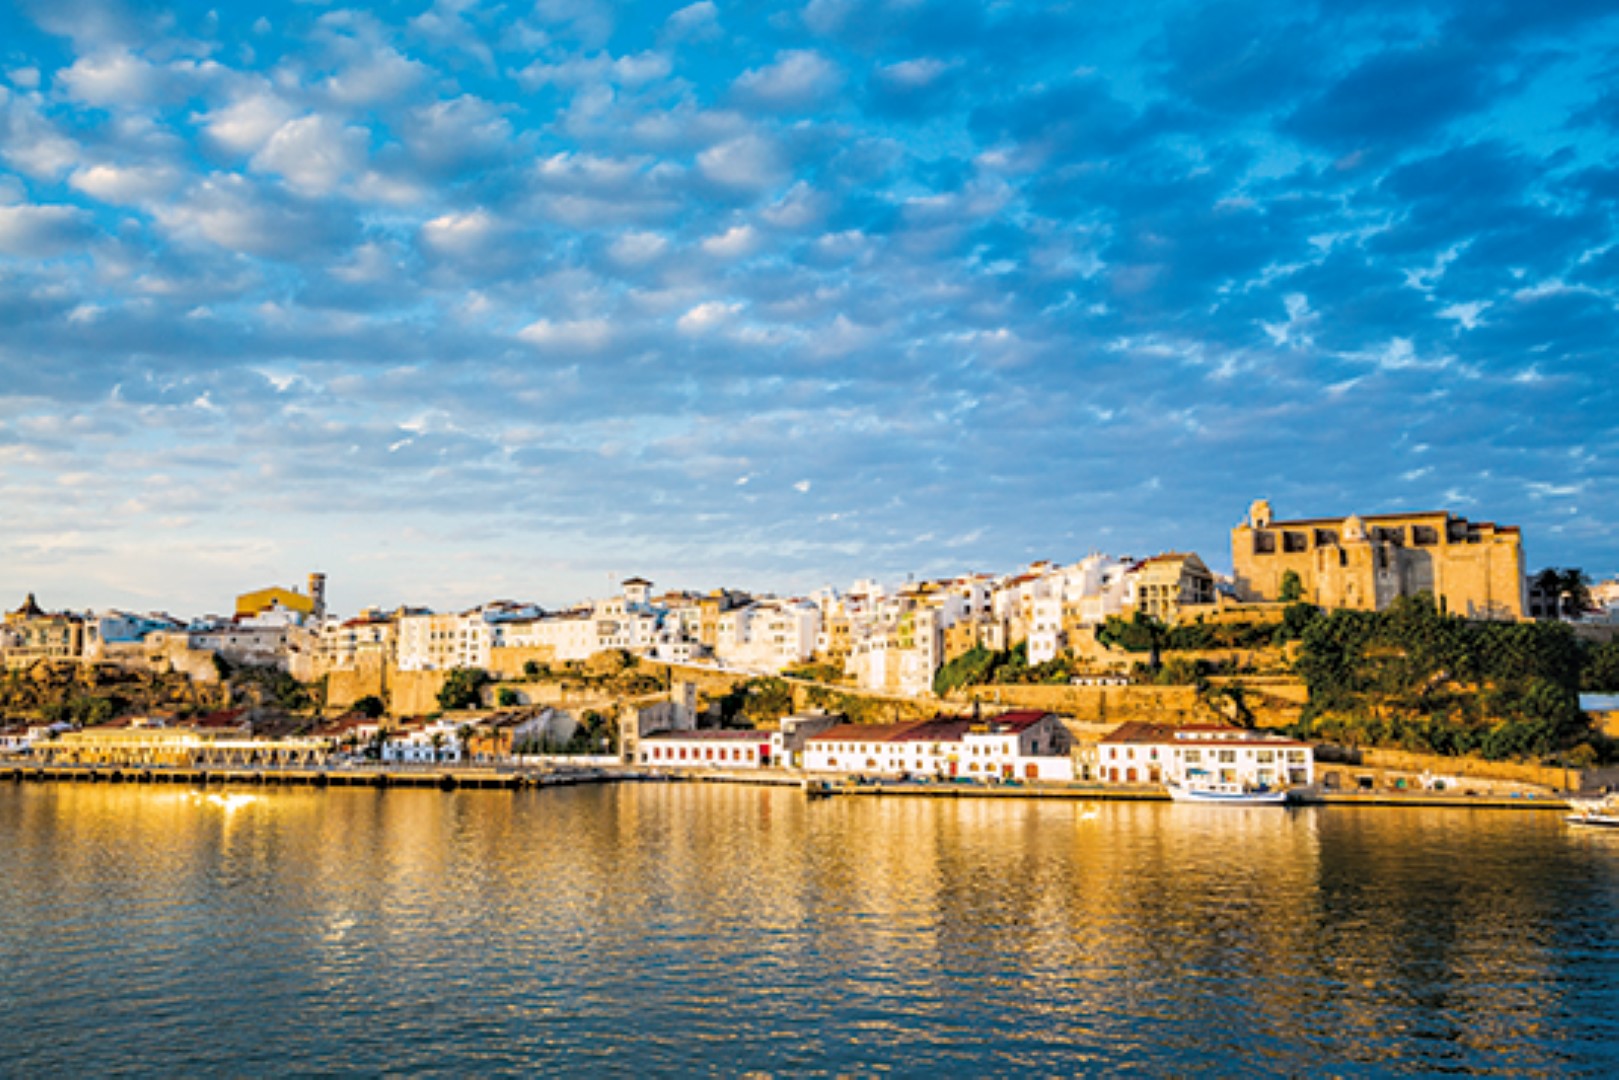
(980, 934)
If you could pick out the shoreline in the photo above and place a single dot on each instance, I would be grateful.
(475, 778)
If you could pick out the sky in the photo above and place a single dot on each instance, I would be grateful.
(468, 300)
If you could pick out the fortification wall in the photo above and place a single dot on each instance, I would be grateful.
(507, 662)
(414, 693)
(1100, 704)
(345, 686)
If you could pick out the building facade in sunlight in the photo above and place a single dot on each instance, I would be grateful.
(1472, 569)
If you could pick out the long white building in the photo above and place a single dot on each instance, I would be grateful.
(1146, 753)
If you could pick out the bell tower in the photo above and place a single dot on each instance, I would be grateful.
(317, 597)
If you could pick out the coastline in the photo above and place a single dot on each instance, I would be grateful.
(453, 779)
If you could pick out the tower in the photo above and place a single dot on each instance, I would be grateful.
(317, 597)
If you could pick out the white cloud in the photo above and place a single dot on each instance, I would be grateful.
(38, 232)
(637, 248)
(581, 334)
(750, 161)
(314, 153)
(232, 212)
(707, 316)
(694, 22)
(828, 16)
(801, 207)
(798, 78)
(461, 234)
(463, 132)
(128, 185)
(602, 68)
(915, 74)
(116, 78)
(736, 242)
(29, 142)
(247, 124)
(383, 75)
(1466, 315)
(590, 21)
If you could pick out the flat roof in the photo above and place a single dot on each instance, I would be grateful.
(711, 735)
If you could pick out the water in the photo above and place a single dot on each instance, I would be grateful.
(684, 928)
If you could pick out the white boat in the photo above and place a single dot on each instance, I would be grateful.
(1214, 791)
(1600, 813)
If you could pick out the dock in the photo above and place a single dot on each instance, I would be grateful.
(442, 778)
(508, 778)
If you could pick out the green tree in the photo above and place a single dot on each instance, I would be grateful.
(507, 698)
(1574, 590)
(1292, 590)
(461, 688)
(370, 707)
(1601, 668)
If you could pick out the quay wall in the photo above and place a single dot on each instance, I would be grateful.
(1414, 764)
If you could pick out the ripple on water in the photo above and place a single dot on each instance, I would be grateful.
(687, 928)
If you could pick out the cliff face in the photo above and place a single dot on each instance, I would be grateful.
(94, 693)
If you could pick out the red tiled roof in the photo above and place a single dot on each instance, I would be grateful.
(1142, 731)
(938, 729)
(1017, 721)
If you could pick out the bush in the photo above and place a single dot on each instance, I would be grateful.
(461, 688)
(1415, 677)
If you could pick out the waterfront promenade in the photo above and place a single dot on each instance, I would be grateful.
(448, 777)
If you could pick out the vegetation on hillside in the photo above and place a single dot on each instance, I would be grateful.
(461, 688)
(1142, 633)
(756, 701)
(1415, 678)
(613, 671)
(1599, 672)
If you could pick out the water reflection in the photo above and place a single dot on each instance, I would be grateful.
(723, 928)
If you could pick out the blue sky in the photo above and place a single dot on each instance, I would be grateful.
(466, 300)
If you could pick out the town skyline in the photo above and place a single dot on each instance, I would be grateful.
(455, 302)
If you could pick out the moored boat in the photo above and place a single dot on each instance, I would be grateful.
(1211, 791)
(1600, 813)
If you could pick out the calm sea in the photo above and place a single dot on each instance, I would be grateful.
(686, 928)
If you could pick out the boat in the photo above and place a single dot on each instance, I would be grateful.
(1197, 790)
(1600, 813)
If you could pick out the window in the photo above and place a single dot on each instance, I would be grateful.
(1228, 757)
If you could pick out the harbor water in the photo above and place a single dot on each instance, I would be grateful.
(676, 928)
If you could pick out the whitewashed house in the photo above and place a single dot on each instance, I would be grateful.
(1146, 753)
(713, 748)
(1015, 746)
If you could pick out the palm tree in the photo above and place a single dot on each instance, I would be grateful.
(1574, 592)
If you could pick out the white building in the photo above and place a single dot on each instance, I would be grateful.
(711, 749)
(768, 635)
(1146, 753)
(345, 643)
(1015, 746)
(123, 628)
(438, 742)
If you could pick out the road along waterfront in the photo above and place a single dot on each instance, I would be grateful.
(694, 927)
